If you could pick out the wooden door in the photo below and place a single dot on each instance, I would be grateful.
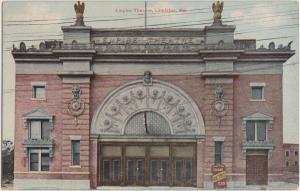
(257, 170)
(135, 172)
(183, 172)
(159, 172)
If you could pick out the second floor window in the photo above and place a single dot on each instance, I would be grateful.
(38, 92)
(296, 153)
(256, 131)
(257, 93)
(39, 129)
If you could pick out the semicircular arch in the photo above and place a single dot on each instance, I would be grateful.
(177, 107)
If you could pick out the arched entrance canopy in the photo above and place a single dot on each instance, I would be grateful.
(165, 99)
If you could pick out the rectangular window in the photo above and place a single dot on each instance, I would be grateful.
(287, 153)
(75, 152)
(39, 129)
(296, 153)
(218, 152)
(34, 161)
(261, 130)
(256, 131)
(38, 160)
(296, 163)
(116, 170)
(45, 162)
(106, 170)
(250, 130)
(257, 92)
(287, 163)
(38, 92)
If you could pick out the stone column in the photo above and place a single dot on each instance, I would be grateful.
(200, 163)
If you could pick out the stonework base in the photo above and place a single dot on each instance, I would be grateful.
(53, 184)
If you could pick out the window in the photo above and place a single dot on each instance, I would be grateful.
(296, 163)
(38, 160)
(256, 131)
(75, 152)
(296, 153)
(286, 163)
(257, 90)
(287, 153)
(218, 152)
(39, 129)
(257, 93)
(38, 92)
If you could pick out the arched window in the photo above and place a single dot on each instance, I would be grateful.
(147, 123)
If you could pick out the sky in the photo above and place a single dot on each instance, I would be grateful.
(36, 21)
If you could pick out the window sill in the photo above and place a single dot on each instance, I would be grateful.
(257, 100)
(38, 99)
(75, 166)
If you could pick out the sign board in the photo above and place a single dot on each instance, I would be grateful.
(219, 176)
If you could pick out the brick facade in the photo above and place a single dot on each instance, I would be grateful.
(220, 70)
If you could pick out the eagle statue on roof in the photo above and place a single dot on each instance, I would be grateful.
(79, 8)
(217, 9)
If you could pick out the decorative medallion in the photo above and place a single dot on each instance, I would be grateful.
(76, 105)
(147, 78)
(219, 105)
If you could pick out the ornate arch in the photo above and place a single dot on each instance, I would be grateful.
(171, 102)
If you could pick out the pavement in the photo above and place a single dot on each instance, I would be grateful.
(277, 186)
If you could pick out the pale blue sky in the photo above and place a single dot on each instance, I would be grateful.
(253, 20)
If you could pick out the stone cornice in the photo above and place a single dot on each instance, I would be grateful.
(75, 73)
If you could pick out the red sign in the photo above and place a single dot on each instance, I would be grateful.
(219, 176)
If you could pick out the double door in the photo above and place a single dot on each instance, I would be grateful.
(135, 171)
(159, 172)
(257, 170)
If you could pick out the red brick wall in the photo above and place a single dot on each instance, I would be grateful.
(272, 106)
(24, 104)
(237, 96)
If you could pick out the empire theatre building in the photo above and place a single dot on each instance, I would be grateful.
(148, 107)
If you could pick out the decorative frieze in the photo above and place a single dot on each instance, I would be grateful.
(257, 145)
(38, 143)
(176, 107)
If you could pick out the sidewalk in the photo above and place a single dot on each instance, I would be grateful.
(279, 186)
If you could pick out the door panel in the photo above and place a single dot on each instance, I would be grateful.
(159, 171)
(135, 171)
(183, 172)
(257, 170)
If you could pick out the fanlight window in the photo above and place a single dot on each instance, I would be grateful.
(147, 123)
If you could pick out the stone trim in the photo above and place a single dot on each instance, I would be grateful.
(75, 137)
(257, 145)
(257, 84)
(54, 184)
(132, 98)
(222, 139)
(258, 116)
(38, 143)
(38, 114)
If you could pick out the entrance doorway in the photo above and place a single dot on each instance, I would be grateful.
(147, 164)
(257, 170)
(135, 172)
(159, 172)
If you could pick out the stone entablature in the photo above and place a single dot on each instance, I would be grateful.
(257, 145)
(37, 114)
(38, 143)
